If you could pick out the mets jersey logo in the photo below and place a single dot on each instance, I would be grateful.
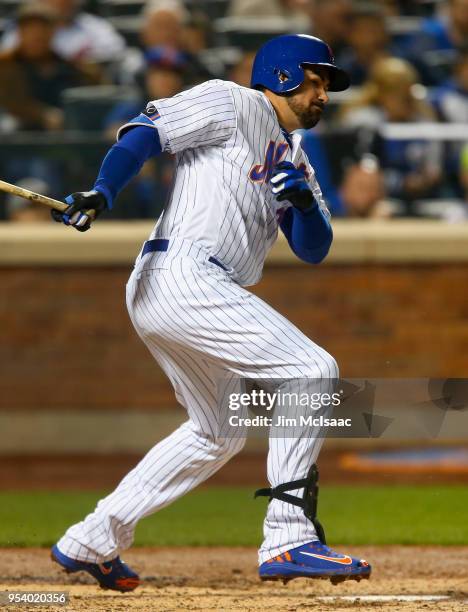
(261, 173)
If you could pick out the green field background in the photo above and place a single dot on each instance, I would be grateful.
(229, 516)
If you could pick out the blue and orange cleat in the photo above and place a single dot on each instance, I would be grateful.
(314, 560)
(115, 574)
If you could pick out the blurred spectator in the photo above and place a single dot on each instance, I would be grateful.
(165, 72)
(392, 95)
(363, 191)
(197, 33)
(450, 29)
(451, 103)
(432, 49)
(20, 210)
(79, 35)
(33, 76)
(163, 78)
(161, 26)
(32, 79)
(330, 21)
(241, 72)
(451, 97)
(196, 42)
(164, 24)
(369, 41)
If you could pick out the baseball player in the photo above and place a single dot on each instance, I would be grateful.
(240, 175)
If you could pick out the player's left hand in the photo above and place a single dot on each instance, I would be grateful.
(84, 207)
(290, 183)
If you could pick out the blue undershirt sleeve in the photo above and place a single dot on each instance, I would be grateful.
(125, 159)
(308, 233)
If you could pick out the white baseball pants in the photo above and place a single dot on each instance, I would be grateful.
(203, 329)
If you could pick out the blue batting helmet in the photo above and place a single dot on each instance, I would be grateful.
(278, 65)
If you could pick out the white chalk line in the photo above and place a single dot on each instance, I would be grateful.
(381, 598)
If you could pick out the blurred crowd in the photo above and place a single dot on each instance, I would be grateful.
(71, 67)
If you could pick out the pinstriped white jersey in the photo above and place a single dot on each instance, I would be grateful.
(226, 139)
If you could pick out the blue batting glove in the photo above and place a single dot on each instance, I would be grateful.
(290, 183)
(84, 207)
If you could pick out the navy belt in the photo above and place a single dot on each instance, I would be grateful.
(162, 245)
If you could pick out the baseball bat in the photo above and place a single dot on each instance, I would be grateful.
(33, 197)
(37, 198)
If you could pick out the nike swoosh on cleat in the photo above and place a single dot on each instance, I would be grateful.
(343, 561)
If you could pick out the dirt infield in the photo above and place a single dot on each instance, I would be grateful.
(225, 579)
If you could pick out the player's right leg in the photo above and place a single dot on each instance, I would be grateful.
(169, 470)
(174, 466)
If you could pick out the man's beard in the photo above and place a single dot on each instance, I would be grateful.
(308, 116)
